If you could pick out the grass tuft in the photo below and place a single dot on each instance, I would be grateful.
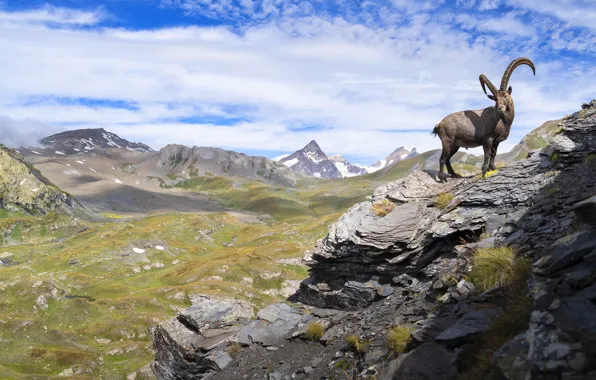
(443, 200)
(398, 338)
(515, 317)
(356, 344)
(234, 349)
(315, 331)
(383, 207)
(496, 267)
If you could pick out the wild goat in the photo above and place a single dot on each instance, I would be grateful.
(487, 127)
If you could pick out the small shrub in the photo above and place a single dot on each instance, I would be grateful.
(234, 349)
(383, 207)
(590, 158)
(356, 344)
(398, 338)
(494, 267)
(554, 158)
(443, 200)
(315, 331)
(582, 113)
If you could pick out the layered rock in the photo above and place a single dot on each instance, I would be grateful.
(408, 268)
(362, 246)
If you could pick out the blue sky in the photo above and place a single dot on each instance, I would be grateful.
(267, 76)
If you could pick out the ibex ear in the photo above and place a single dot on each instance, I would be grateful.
(509, 90)
(492, 97)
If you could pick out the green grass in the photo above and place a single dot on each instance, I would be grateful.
(356, 344)
(497, 267)
(315, 331)
(109, 295)
(514, 320)
(398, 339)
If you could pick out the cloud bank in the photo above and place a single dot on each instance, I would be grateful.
(361, 78)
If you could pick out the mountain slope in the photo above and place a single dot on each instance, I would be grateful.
(345, 168)
(311, 161)
(85, 140)
(24, 189)
(208, 161)
(396, 156)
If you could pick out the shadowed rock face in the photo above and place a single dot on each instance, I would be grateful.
(395, 269)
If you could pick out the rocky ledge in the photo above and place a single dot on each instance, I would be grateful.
(408, 267)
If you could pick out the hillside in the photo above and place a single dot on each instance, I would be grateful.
(24, 189)
(169, 238)
(469, 279)
(200, 161)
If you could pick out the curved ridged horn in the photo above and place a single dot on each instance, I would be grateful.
(512, 66)
(485, 81)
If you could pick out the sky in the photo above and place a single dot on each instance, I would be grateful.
(265, 77)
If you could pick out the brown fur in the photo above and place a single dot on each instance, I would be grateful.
(487, 127)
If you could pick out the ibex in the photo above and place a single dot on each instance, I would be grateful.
(487, 127)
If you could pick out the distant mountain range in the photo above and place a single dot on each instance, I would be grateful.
(312, 161)
(309, 161)
(97, 153)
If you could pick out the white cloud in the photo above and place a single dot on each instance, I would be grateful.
(505, 25)
(489, 4)
(51, 14)
(16, 133)
(579, 13)
(360, 83)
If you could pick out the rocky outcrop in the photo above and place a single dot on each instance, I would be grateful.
(215, 161)
(408, 268)
(24, 189)
(362, 245)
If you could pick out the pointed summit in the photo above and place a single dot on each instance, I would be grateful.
(312, 161)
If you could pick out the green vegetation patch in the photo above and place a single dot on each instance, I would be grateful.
(497, 267)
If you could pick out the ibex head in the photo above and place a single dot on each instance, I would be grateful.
(502, 96)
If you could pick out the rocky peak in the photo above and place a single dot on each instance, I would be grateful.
(311, 161)
(87, 140)
(408, 267)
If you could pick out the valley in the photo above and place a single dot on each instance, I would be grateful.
(154, 232)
